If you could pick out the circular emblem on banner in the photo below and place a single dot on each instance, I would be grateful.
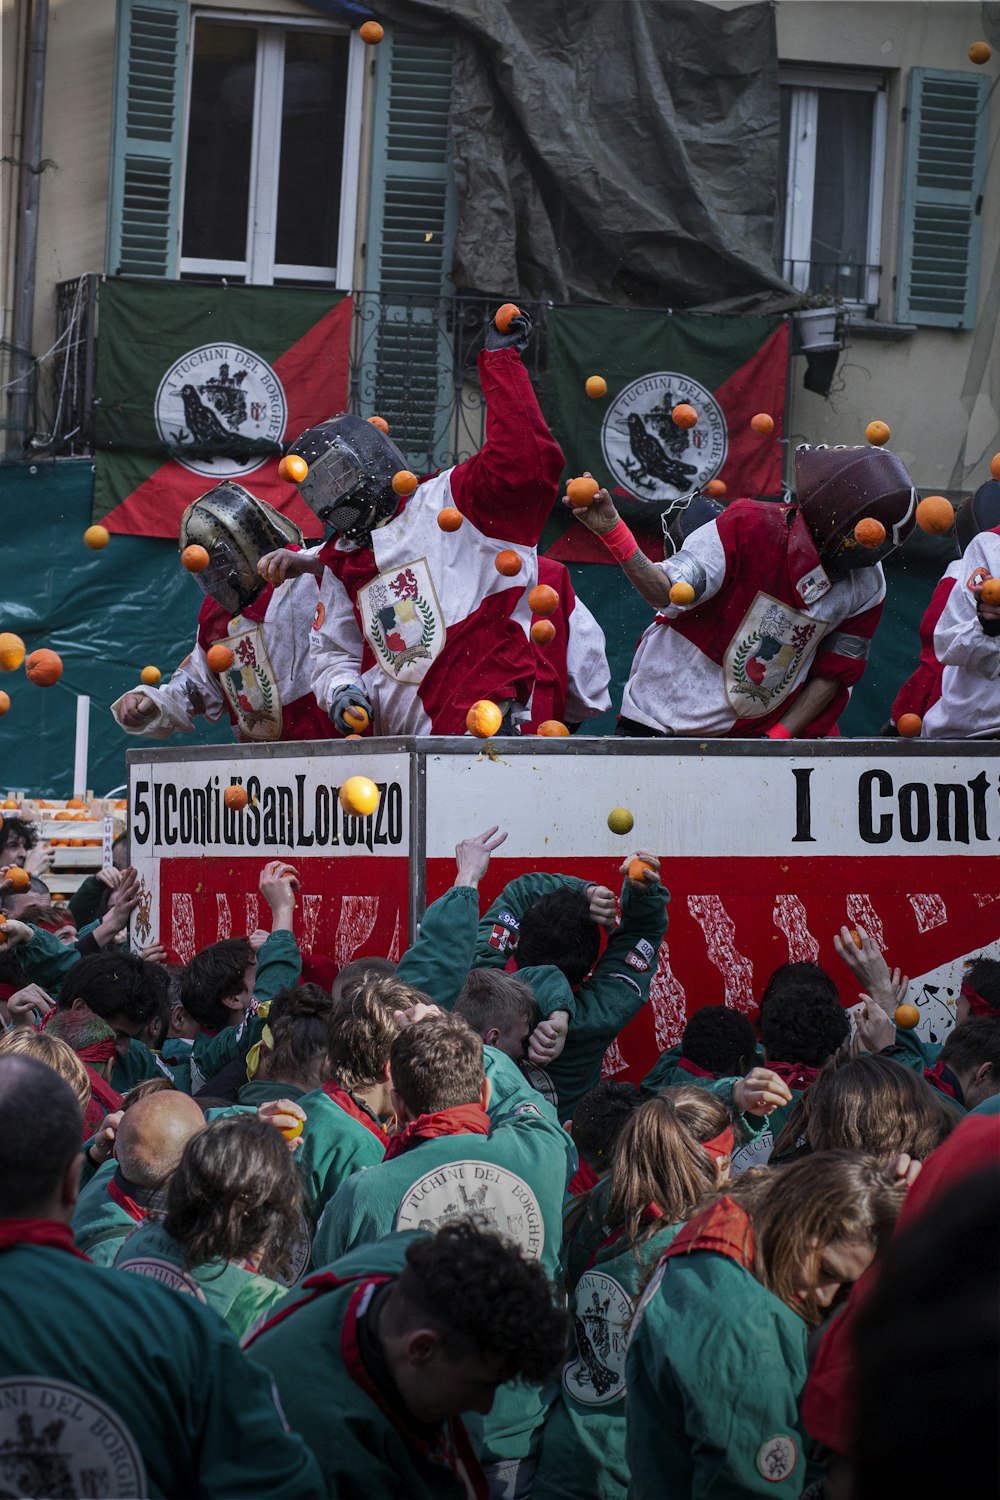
(490, 1196)
(601, 1309)
(650, 457)
(165, 1273)
(56, 1439)
(221, 402)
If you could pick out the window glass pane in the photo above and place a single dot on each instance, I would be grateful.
(312, 145)
(779, 219)
(220, 136)
(843, 180)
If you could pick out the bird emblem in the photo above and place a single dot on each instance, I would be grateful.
(207, 431)
(653, 461)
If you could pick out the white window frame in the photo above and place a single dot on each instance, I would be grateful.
(259, 268)
(800, 186)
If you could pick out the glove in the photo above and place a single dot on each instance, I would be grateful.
(516, 337)
(348, 696)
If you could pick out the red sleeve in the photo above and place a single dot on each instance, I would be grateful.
(508, 488)
(828, 1402)
(923, 687)
(843, 654)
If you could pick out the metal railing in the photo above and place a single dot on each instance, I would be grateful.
(839, 281)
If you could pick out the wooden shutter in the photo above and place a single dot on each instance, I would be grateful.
(147, 129)
(411, 229)
(941, 219)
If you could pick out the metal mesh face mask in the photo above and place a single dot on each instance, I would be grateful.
(349, 484)
(237, 530)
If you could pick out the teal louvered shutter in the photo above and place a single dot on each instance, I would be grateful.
(941, 218)
(407, 374)
(147, 128)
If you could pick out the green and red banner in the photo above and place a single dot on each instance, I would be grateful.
(199, 383)
(726, 368)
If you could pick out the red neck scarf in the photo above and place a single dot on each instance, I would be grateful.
(357, 1111)
(583, 1179)
(977, 1005)
(944, 1079)
(136, 1211)
(693, 1068)
(463, 1119)
(796, 1075)
(724, 1228)
(38, 1232)
(103, 1092)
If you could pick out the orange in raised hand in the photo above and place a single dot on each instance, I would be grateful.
(505, 315)
(582, 492)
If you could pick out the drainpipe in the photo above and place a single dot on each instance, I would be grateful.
(27, 230)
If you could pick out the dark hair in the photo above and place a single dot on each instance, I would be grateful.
(27, 830)
(234, 1194)
(720, 1040)
(362, 1030)
(660, 1161)
(213, 975)
(483, 1297)
(41, 1127)
(801, 1017)
(558, 929)
(945, 1265)
(115, 984)
(599, 1117)
(437, 1064)
(299, 1022)
(50, 917)
(489, 997)
(983, 978)
(871, 1104)
(975, 1042)
(352, 975)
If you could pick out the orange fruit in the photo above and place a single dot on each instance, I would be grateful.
(371, 33)
(293, 468)
(75, 802)
(935, 515)
(504, 315)
(542, 632)
(620, 820)
(762, 424)
(869, 532)
(483, 719)
(714, 489)
(995, 466)
(96, 537)
(352, 736)
(877, 433)
(380, 423)
(450, 519)
(909, 725)
(10, 803)
(543, 600)
(552, 729)
(357, 717)
(359, 795)
(906, 1017)
(582, 492)
(44, 668)
(855, 937)
(235, 797)
(404, 483)
(292, 1132)
(979, 52)
(18, 879)
(508, 563)
(595, 386)
(150, 676)
(681, 593)
(219, 658)
(989, 593)
(636, 867)
(12, 650)
(684, 415)
(195, 558)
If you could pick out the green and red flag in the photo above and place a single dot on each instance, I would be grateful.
(199, 383)
(726, 368)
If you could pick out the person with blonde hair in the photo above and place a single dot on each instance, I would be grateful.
(55, 1054)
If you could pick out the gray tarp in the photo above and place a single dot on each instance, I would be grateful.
(620, 151)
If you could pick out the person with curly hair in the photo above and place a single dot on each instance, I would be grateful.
(376, 1357)
(232, 1208)
(718, 1042)
(717, 1360)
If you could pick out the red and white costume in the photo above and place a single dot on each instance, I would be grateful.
(420, 617)
(267, 692)
(571, 672)
(768, 619)
(968, 707)
(923, 686)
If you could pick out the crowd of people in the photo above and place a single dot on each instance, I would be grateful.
(392, 1233)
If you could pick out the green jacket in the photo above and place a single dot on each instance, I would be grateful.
(439, 960)
(668, 1070)
(583, 1441)
(715, 1369)
(239, 1296)
(608, 999)
(116, 1387)
(335, 1144)
(366, 1446)
(100, 1224)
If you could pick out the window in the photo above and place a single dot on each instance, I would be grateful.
(833, 163)
(271, 168)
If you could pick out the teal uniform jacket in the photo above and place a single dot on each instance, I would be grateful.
(114, 1387)
(336, 1143)
(368, 1449)
(240, 1297)
(438, 962)
(614, 992)
(583, 1441)
(100, 1222)
(716, 1367)
(514, 1179)
(670, 1068)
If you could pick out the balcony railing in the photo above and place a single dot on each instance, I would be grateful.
(843, 281)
